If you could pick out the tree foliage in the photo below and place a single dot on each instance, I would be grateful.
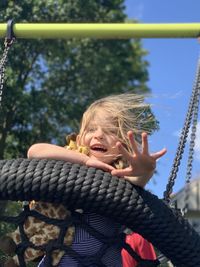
(50, 82)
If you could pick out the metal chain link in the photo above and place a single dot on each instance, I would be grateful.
(191, 149)
(192, 113)
(3, 61)
(192, 138)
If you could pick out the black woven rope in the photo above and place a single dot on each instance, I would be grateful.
(90, 189)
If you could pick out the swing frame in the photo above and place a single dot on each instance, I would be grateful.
(102, 30)
(139, 199)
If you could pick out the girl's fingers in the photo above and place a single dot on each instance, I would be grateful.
(133, 142)
(99, 165)
(145, 147)
(106, 167)
(159, 154)
(120, 172)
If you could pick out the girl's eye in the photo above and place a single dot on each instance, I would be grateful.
(91, 129)
(113, 131)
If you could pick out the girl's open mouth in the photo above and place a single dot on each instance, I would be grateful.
(98, 148)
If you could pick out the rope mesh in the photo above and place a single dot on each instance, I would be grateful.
(54, 244)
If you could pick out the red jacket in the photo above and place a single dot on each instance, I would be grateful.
(141, 246)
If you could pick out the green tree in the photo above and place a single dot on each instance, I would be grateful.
(50, 82)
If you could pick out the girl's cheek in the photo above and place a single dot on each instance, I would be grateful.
(85, 140)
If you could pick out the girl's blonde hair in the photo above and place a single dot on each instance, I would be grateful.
(128, 112)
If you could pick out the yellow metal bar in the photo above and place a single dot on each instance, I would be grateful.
(103, 30)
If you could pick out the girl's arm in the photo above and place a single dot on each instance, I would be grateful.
(49, 151)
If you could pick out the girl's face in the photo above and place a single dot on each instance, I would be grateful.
(100, 136)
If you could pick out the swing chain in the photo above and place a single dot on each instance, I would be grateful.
(3, 62)
(191, 149)
(191, 117)
(10, 38)
(193, 134)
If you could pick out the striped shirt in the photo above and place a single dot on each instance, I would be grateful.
(90, 247)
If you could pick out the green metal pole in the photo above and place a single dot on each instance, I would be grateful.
(103, 30)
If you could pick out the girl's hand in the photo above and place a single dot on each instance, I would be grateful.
(92, 162)
(141, 164)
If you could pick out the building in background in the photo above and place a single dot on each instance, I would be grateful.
(188, 200)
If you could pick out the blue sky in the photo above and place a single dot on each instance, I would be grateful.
(172, 72)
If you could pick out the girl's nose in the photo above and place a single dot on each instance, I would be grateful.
(99, 133)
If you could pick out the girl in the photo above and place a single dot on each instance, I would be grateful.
(114, 132)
